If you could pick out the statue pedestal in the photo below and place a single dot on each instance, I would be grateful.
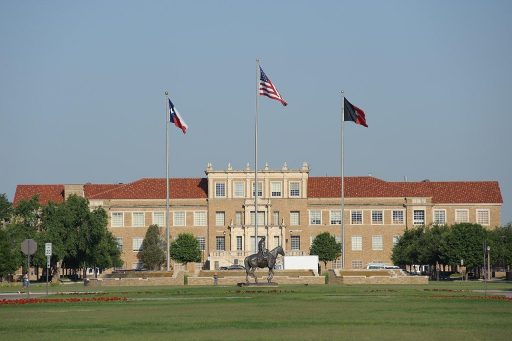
(258, 285)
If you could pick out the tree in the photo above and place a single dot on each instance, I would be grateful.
(80, 237)
(501, 246)
(185, 249)
(325, 247)
(433, 247)
(153, 250)
(409, 247)
(9, 256)
(5, 209)
(465, 241)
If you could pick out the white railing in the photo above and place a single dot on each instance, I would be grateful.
(241, 253)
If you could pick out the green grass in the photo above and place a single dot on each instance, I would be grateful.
(438, 311)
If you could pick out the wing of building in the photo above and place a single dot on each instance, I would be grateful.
(293, 208)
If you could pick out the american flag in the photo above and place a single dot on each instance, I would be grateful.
(268, 89)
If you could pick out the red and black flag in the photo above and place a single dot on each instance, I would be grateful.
(353, 113)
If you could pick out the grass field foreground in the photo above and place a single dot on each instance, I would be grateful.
(438, 311)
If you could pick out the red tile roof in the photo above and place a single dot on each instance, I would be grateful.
(355, 187)
(452, 192)
(46, 193)
(318, 187)
(440, 191)
(180, 188)
(93, 189)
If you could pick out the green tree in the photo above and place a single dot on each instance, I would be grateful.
(465, 241)
(408, 250)
(185, 249)
(5, 209)
(501, 246)
(325, 247)
(80, 237)
(9, 257)
(97, 246)
(433, 247)
(153, 249)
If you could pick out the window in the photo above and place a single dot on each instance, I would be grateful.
(276, 189)
(315, 217)
(200, 218)
(179, 218)
(239, 243)
(261, 218)
(356, 217)
(202, 243)
(276, 241)
(294, 189)
(220, 189)
(295, 242)
(117, 219)
(482, 217)
(138, 219)
(398, 217)
(158, 218)
(418, 217)
(239, 218)
(219, 218)
(357, 243)
(335, 217)
(337, 264)
(377, 218)
(395, 240)
(119, 241)
(439, 217)
(377, 243)
(275, 218)
(294, 218)
(462, 216)
(220, 244)
(238, 189)
(137, 243)
(260, 189)
(357, 264)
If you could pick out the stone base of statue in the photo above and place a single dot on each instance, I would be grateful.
(258, 285)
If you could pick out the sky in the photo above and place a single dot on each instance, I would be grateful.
(82, 89)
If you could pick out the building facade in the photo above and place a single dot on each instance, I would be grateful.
(292, 208)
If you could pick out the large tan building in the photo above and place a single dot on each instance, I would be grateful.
(293, 207)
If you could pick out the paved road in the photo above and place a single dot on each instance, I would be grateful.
(19, 295)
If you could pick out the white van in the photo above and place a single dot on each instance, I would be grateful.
(381, 266)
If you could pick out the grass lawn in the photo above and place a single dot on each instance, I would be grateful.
(438, 311)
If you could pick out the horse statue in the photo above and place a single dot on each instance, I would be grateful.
(256, 261)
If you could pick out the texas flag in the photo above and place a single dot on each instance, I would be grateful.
(355, 114)
(174, 117)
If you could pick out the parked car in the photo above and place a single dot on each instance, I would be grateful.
(236, 267)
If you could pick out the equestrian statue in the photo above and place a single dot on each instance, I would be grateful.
(262, 259)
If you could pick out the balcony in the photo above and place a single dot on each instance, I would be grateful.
(241, 253)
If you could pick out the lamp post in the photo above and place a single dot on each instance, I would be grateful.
(461, 270)
(488, 262)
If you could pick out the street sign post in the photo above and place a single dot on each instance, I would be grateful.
(48, 249)
(28, 247)
(48, 253)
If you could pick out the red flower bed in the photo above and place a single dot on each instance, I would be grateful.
(62, 300)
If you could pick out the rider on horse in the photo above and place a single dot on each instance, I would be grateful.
(262, 250)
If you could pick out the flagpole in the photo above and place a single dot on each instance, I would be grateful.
(342, 183)
(167, 190)
(256, 159)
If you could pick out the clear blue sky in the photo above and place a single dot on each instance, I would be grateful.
(82, 83)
